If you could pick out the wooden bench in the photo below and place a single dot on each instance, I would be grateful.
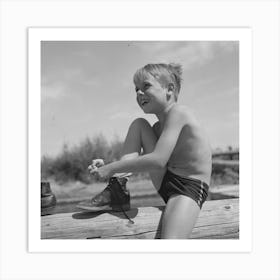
(219, 219)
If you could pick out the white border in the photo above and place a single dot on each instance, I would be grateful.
(243, 35)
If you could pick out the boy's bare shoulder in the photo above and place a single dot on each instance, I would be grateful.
(183, 112)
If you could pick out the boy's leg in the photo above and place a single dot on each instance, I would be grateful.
(179, 217)
(141, 136)
(181, 212)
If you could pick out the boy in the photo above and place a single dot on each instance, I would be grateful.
(175, 150)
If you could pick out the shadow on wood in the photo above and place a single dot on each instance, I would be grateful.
(218, 219)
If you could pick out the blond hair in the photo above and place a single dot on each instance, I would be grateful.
(172, 72)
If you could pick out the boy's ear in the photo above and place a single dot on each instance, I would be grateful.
(170, 91)
(171, 87)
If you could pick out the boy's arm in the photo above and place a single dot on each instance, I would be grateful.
(169, 136)
(162, 152)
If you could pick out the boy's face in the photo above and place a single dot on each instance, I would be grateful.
(151, 95)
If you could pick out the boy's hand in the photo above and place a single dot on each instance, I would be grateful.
(99, 169)
(96, 163)
(103, 172)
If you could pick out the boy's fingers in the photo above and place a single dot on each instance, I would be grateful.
(92, 169)
(98, 162)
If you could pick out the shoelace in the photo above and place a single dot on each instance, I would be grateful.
(117, 198)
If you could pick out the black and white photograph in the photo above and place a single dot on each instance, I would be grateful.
(135, 135)
(140, 139)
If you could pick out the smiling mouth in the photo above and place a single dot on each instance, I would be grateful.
(145, 102)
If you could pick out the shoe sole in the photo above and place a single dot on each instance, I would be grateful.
(94, 208)
(104, 208)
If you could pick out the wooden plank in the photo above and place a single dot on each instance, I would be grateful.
(218, 219)
(225, 162)
(228, 153)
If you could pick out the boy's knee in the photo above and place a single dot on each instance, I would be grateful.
(140, 123)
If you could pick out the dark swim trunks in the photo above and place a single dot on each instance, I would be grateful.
(175, 184)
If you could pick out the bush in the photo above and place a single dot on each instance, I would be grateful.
(72, 164)
(225, 175)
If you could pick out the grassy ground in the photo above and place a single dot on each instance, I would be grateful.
(142, 194)
(74, 191)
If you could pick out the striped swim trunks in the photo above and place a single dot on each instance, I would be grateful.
(175, 184)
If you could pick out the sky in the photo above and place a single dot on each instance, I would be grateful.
(87, 88)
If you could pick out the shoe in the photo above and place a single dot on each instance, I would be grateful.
(114, 197)
(48, 199)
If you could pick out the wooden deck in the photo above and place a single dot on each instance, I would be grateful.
(219, 219)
